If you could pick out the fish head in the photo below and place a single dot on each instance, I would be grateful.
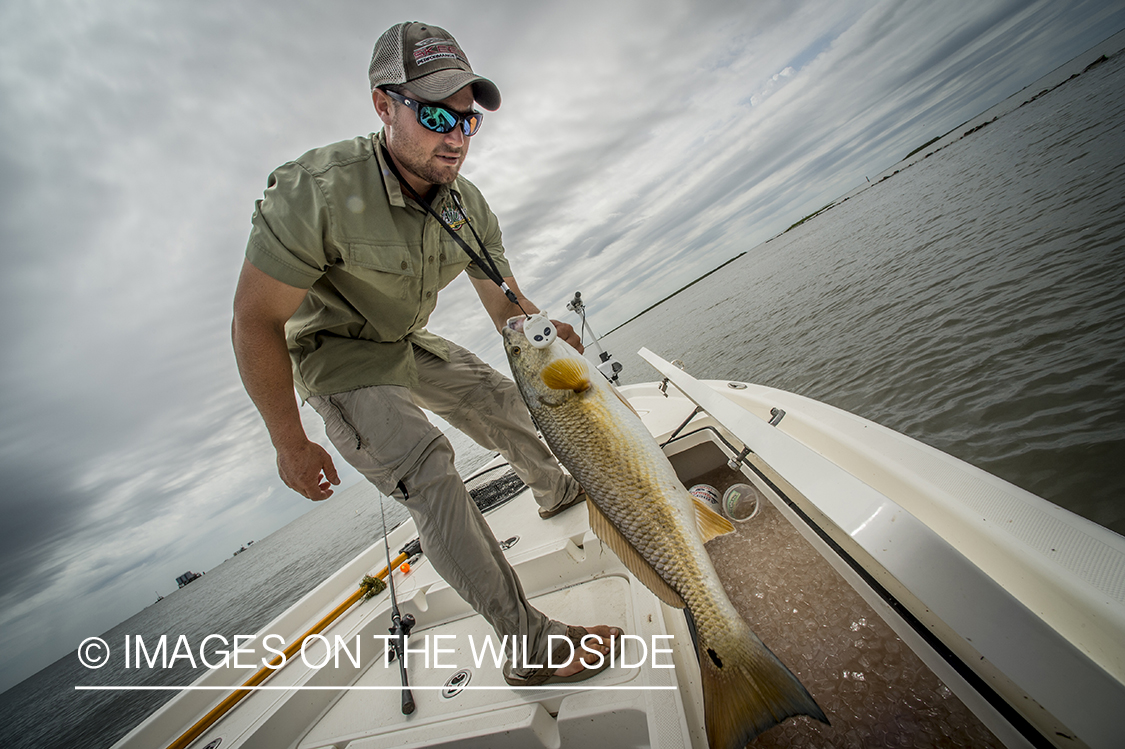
(545, 374)
(524, 358)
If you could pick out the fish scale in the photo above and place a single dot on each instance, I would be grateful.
(627, 477)
(617, 487)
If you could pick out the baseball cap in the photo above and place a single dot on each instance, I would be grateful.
(428, 60)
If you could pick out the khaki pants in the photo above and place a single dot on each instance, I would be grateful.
(383, 433)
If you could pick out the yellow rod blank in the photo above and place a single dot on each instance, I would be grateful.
(266, 671)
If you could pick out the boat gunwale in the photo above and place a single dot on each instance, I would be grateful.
(970, 631)
(315, 602)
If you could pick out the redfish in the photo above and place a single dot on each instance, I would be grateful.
(640, 509)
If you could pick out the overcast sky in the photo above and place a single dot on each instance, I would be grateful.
(639, 145)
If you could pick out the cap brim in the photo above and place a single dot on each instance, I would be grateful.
(445, 83)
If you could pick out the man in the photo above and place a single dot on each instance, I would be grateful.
(342, 270)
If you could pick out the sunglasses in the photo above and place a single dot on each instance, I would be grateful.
(440, 119)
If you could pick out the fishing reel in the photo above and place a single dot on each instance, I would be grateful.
(403, 626)
(576, 306)
(609, 368)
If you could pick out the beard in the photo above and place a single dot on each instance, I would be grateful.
(427, 158)
(426, 169)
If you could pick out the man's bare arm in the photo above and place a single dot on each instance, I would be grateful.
(262, 305)
(500, 308)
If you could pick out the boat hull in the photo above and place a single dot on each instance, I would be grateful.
(869, 543)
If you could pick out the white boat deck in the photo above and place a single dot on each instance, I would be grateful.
(997, 618)
(1029, 598)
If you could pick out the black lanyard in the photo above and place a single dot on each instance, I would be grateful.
(488, 268)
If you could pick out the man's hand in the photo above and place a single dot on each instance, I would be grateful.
(301, 467)
(499, 308)
(567, 333)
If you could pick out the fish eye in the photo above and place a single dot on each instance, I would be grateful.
(516, 350)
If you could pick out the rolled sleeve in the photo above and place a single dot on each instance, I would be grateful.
(288, 229)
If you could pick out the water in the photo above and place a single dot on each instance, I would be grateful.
(973, 301)
(240, 596)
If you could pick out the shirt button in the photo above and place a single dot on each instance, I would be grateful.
(442, 257)
(431, 258)
(429, 294)
(404, 265)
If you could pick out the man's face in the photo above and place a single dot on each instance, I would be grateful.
(426, 158)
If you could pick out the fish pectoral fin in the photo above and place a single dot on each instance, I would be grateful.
(605, 530)
(567, 374)
(711, 524)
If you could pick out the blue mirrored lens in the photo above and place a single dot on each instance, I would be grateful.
(442, 120)
(437, 119)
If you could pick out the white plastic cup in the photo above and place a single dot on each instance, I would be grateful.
(708, 495)
(741, 502)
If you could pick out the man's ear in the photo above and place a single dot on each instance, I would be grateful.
(382, 104)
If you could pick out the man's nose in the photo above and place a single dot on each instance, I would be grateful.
(456, 136)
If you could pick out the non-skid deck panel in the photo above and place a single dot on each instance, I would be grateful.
(875, 691)
(1062, 693)
(500, 716)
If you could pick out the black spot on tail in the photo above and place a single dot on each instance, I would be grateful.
(715, 657)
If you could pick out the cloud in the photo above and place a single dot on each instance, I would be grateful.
(639, 145)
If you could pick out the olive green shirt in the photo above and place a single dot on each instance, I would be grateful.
(336, 222)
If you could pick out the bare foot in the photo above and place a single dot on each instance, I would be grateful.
(603, 644)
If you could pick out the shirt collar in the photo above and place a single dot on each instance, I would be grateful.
(395, 194)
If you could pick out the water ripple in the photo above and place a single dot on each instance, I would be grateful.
(973, 301)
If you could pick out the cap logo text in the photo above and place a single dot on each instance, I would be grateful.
(432, 52)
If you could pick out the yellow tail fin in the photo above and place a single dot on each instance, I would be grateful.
(747, 692)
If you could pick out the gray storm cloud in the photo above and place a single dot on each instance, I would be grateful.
(639, 146)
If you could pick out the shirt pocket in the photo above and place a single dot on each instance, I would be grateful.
(396, 259)
(390, 270)
(451, 261)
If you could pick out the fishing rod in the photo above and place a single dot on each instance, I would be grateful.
(400, 625)
(270, 669)
(609, 368)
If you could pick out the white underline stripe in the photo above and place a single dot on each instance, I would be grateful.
(575, 687)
